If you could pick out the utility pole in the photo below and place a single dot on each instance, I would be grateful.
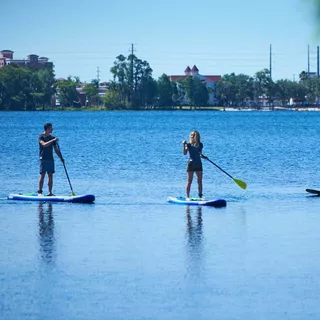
(98, 75)
(318, 62)
(131, 74)
(270, 62)
(308, 61)
(132, 50)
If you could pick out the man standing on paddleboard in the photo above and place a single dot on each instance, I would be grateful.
(47, 143)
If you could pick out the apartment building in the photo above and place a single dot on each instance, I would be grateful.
(33, 60)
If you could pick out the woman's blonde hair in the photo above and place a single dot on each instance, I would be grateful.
(196, 136)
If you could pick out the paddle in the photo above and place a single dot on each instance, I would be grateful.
(65, 169)
(240, 183)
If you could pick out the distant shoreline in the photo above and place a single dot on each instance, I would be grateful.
(182, 108)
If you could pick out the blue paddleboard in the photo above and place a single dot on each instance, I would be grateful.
(196, 201)
(83, 198)
(313, 191)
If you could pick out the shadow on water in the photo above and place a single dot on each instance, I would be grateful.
(46, 233)
(194, 233)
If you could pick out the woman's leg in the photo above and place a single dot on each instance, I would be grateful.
(189, 182)
(199, 179)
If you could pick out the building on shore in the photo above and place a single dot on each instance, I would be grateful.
(210, 81)
(102, 89)
(82, 99)
(33, 60)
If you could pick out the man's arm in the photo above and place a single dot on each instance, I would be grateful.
(57, 150)
(48, 143)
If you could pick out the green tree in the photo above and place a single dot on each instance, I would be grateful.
(91, 91)
(303, 76)
(226, 90)
(134, 80)
(189, 89)
(200, 93)
(312, 86)
(264, 86)
(121, 78)
(112, 100)
(46, 77)
(20, 88)
(286, 89)
(165, 91)
(67, 93)
(147, 91)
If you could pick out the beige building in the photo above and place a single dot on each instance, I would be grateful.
(33, 60)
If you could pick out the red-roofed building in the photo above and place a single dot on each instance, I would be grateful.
(195, 69)
(33, 60)
(209, 80)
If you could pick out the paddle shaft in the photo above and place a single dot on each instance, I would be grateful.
(65, 169)
(220, 168)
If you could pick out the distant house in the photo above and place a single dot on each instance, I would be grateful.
(102, 89)
(82, 99)
(311, 75)
(33, 60)
(209, 80)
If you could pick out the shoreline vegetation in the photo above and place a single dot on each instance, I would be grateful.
(134, 88)
(173, 108)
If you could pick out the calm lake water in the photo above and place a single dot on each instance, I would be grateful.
(131, 255)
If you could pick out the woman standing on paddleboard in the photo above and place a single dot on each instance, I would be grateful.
(194, 165)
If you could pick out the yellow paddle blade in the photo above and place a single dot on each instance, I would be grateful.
(240, 183)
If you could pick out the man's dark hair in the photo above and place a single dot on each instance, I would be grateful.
(47, 125)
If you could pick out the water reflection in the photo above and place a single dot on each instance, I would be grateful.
(46, 233)
(194, 239)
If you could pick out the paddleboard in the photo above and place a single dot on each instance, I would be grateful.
(197, 201)
(83, 198)
(317, 192)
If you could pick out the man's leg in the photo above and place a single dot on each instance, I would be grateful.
(41, 180)
(50, 182)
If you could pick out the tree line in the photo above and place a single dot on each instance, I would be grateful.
(133, 87)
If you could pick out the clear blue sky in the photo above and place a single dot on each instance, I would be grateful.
(219, 37)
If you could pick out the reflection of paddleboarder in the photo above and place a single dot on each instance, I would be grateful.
(194, 240)
(46, 232)
(194, 229)
(47, 143)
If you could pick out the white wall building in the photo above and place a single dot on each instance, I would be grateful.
(209, 80)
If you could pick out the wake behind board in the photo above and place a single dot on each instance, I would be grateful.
(83, 198)
(313, 191)
(196, 201)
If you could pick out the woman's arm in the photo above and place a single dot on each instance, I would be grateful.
(201, 154)
(184, 147)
